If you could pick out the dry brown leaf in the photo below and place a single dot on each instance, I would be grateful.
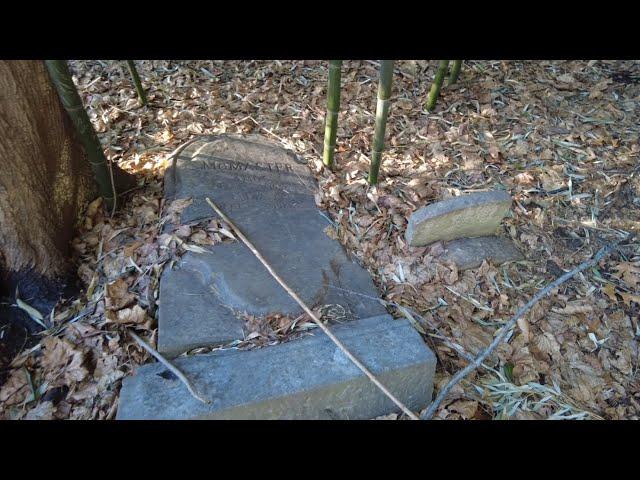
(62, 358)
(627, 298)
(610, 291)
(135, 315)
(465, 408)
(629, 273)
(117, 295)
(574, 307)
(523, 324)
(16, 388)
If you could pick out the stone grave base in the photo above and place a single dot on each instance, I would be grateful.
(306, 378)
(471, 252)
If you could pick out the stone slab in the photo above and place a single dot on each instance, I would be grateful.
(269, 195)
(307, 378)
(470, 215)
(471, 252)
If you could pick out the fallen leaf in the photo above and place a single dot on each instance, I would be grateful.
(35, 315)
(627, 298)
(118, 295)
(629, 273)
(135, 315)
(610, 291)
(523, 324)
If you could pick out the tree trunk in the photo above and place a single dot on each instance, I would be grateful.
(45, 182)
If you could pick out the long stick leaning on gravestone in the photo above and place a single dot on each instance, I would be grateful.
(313, 316)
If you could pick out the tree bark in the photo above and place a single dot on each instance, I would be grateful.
(45, 182)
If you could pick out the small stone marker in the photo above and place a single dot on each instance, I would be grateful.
(470, 215)
(307, 378)
(471, 252)
(270, 197)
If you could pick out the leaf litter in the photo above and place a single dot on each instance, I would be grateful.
(562, 137)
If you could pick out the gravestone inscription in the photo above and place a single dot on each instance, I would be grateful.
(269, 194)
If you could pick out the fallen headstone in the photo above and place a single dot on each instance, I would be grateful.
(470, 215)
(307, 378)
(471, 252)
(269, 195)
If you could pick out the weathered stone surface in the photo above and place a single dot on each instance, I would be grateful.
(307, 378)
(471, 252)
(270, 197)
(470, 215)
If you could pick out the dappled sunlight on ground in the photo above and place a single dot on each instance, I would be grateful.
(561, 137)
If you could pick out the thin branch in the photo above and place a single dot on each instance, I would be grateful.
(167, 364)
(179, 150)
(313, 316)
(408, 312)
(113, 188)
(428, 414)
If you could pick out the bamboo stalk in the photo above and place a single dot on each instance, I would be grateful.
(308, 311)
(61, 77)
(333, 106)
(136, 81)
(455, 71)
(382, 111)
(437, 84)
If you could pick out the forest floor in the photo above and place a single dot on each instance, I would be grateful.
(561, 136)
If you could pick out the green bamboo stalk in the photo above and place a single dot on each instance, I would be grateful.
(136, 81)
(437, 84)
(333, 106)
(455, 71)
(61, 77)
(382, 111)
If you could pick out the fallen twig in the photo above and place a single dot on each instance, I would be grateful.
(408, 313)
(313, 316)
(179, 150)
(167, 364)
(428, 414)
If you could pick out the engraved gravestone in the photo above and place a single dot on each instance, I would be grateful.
(269, 195)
